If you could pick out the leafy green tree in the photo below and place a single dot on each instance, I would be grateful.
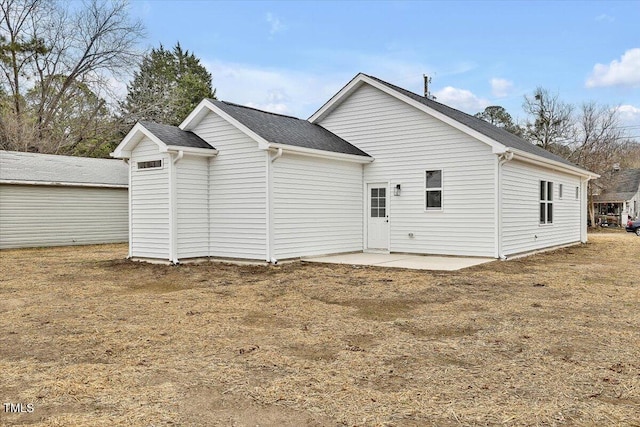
(498, 116)
(167, 87)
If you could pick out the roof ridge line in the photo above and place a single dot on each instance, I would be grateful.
(256, 109)
(424, 97)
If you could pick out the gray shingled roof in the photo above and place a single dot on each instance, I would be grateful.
(497, 134)
(173, 135)
(49, 168)
(280, 129)
(625, 185)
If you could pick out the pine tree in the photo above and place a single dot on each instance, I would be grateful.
(498, 116)
(167, 87)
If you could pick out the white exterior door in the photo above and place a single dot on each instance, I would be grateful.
(378, 217)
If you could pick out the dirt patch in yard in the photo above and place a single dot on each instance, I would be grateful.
(91, 339)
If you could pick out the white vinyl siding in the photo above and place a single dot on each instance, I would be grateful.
(149, 203)
(237, 191)
(192, 179)
(39, 215)
(405, 143)
(521, 230)
(317, 206)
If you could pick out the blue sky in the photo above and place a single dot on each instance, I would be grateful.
(291, 57)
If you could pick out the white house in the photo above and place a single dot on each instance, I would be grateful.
(377, 168)
(49, 200)
(621, 200)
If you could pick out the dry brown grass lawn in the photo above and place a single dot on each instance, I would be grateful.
(91, 339)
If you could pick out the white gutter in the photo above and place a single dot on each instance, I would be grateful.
(207, 152)
(503, 158)
(62, 184)
(123, 154)
(552, 164)
(319, 153)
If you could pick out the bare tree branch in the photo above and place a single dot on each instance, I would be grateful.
(48, 53)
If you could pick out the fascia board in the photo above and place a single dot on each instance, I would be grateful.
(541, 161)
(337, 98)
(357, 81)
(186, 125)
(123, 150)
(62, 184)
(322, 154)
(495, 145)
(196, 115)
(206, 152)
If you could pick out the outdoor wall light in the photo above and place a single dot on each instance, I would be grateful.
(396, 191)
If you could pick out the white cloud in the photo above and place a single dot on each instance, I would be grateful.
(605, 18)
(275, 24)
(301, 93)
(625, 72)
(461, 99)
(275, 101)
(501, 87)
(629, 115)
(280, 91)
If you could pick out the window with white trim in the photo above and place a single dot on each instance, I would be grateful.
(559, 191)
(433, 190)
(577, 193)
(546, 202)
(150, 164)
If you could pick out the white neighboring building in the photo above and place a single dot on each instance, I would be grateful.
(622, 200)
(377, 168)
(49, 200)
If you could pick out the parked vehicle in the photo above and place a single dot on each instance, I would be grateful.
(633, 226)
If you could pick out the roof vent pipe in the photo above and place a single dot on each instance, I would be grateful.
(427, 82)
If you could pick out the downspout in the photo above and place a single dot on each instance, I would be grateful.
(209, 207)
(129, 197)
(584, 208)
(277, 155)
(173, 207)
(271, 159)
(502, 159)
(178, 157)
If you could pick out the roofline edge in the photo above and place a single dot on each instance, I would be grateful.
(61, 184)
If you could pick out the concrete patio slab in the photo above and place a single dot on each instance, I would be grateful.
(415, 262)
